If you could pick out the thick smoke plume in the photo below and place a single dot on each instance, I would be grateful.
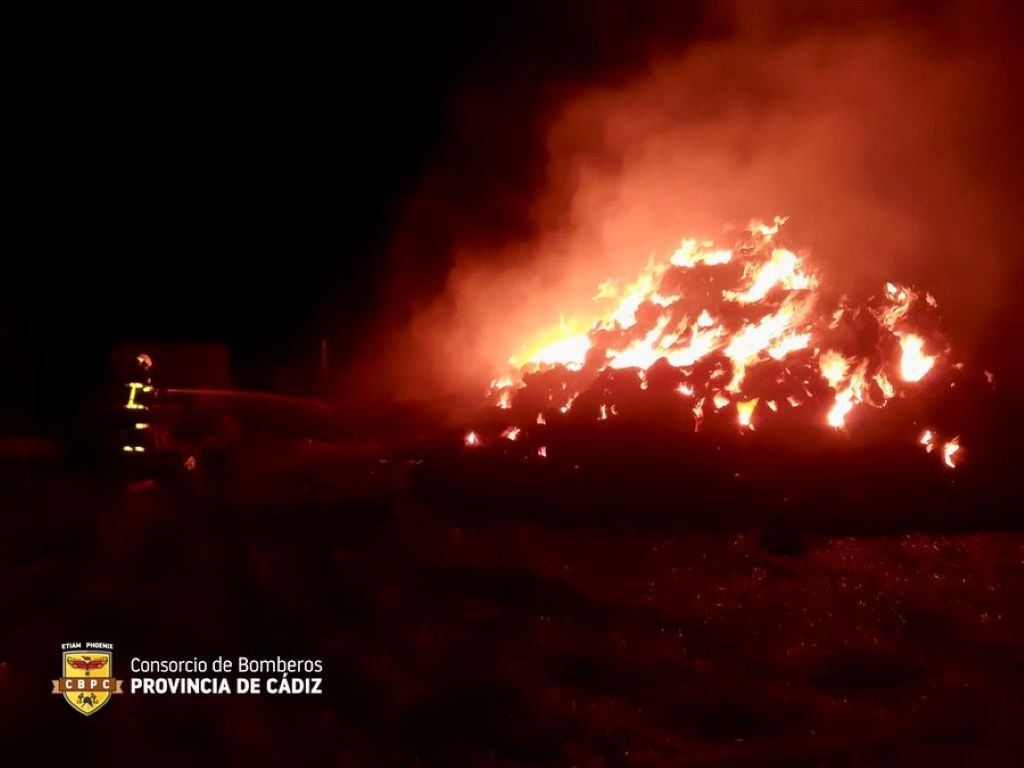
(891, 141)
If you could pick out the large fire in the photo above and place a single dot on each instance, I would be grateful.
(745, 327)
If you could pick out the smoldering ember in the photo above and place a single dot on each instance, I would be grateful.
(561, 384)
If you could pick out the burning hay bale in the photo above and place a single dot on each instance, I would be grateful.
(742, 337)
(725, 386)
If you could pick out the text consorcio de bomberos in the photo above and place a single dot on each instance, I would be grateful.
(282, 683)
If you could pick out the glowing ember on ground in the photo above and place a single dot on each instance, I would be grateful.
(744, 322)
(950, 452)
(928, 440)
(471, 439)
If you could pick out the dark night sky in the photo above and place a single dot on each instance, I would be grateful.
(239, 179)
(236, 179)
(224, 185)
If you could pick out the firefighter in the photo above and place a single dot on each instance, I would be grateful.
(140, 430)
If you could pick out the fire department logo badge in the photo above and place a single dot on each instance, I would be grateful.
(87, 678)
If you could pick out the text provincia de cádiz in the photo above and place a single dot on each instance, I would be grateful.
(290, 676)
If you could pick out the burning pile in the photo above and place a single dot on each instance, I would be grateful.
(744, 330)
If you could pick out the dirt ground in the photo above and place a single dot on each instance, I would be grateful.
(457, 637)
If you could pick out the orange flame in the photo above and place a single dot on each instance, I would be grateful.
(745, 411)
(727, 311)
(915, 363)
